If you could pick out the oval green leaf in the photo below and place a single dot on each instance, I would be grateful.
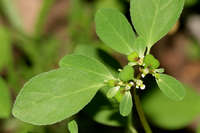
(104, 110)
(114, 30)
(73, 126)
(126, 104)
(86, 64)
(169, 114)
(56, 95)
(171, 87)
(152, 19)
(151, 62)
(140, 46)
(5, 100)
(101, 55)
(112, 92)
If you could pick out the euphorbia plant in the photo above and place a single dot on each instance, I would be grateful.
(56, 95)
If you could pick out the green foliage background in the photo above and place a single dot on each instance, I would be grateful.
(40, 51)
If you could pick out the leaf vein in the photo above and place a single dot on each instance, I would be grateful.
(126, 43)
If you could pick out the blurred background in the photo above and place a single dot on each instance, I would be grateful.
(36, 34)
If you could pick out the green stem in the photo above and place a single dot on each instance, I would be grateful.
(141, 113)
(131, 129)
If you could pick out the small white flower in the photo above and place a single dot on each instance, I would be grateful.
(131, 83)
(142, 87)
(119, 70)
(139, 82)
(142, 57)
(143, 75)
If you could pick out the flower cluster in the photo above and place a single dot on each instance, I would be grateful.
(118, 85)
(148, 64)
(128, 78)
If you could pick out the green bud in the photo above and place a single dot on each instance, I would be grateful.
(127, 73)
(151, 62)
(133, 57)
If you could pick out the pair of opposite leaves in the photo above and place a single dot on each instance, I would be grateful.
(56, 95)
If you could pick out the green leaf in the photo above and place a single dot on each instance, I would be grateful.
(160, 70)
(5, 100)
(109, 117)
(5, 47)
(86, 64)
(73, 127)
(171, 87)
(198, 129)
(21, 127)
(101, 55)
(109, 4)
(104, 110)
(169, 114)
(189, 3)
(152, 19)
(151, 62)
(114, 30)
(56, 95)
(10, 11)
(126, 104)
(87, 50)
(112, 92)
(140, 46)
(127, 73)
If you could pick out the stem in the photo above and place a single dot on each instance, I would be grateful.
(131, 129)
(141, 113)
